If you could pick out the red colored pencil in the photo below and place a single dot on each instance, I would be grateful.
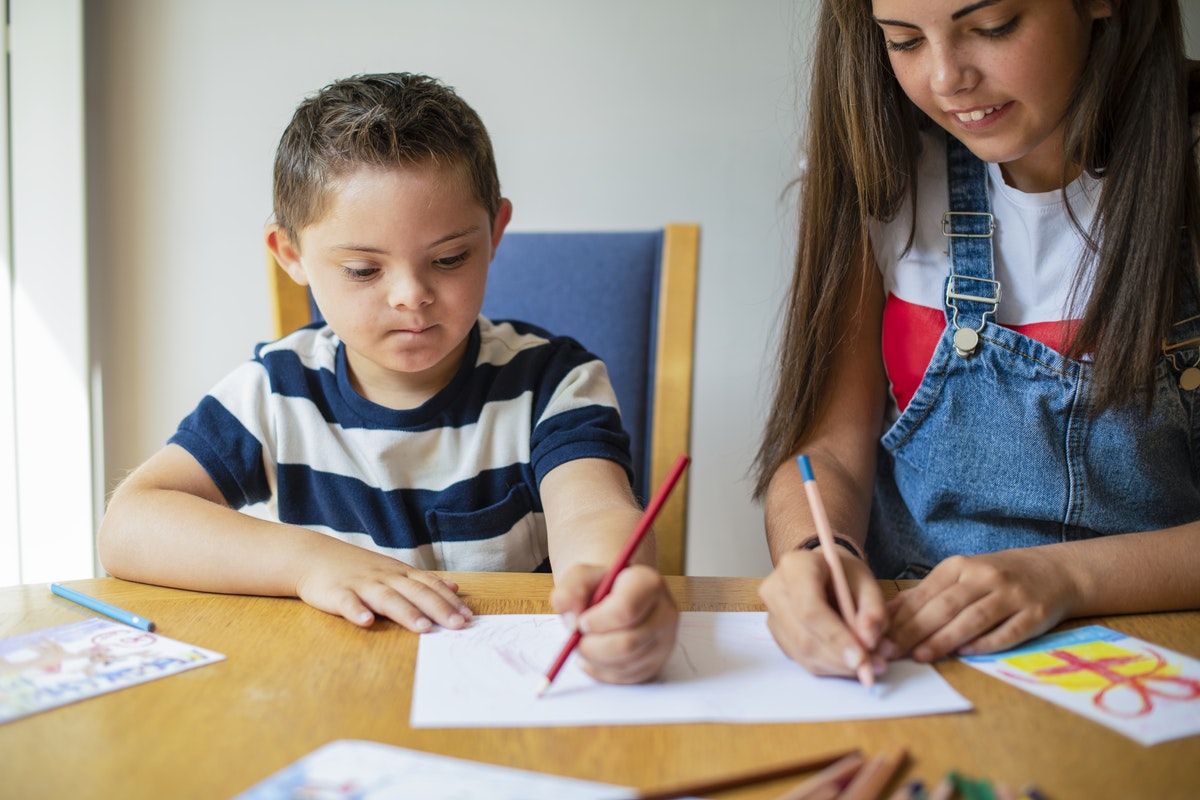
(635, 538)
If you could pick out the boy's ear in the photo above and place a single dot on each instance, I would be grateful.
(503, 216)
(286, 254)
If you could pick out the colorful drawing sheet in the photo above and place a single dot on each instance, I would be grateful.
(53, 667)
(358, 770)
(726, 668)
(1141, 690)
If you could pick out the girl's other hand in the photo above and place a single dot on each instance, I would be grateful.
(979, 604)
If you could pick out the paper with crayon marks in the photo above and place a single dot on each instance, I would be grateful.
(56, 666)
(1143, 691)
(726, 667)
(357, 770)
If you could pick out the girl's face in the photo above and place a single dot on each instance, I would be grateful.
(997, 74)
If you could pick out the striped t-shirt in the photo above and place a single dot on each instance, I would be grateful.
(450, 485)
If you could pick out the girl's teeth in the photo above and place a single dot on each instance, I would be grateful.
(976, 115)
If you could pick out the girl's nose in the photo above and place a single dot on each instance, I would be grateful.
(950, 72)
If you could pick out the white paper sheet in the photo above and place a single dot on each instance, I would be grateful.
(726, 668)
(1146, 692)
(357, 770)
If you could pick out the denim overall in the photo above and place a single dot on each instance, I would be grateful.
(998, 448)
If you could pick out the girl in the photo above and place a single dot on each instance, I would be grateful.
(996, 270)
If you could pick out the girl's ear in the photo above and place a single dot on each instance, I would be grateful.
(1099, 9)
(285, 252)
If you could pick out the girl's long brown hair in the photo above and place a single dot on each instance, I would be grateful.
(1127, 123)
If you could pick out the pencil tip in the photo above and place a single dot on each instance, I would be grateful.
(542, 689)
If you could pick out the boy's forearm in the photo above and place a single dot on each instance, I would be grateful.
(173, 538)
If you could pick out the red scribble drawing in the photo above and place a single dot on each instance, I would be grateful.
(1126, 692)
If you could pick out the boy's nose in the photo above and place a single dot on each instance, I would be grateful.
(408, 290)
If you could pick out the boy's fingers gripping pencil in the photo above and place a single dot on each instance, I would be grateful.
(841, 587)
(635, 538)
(119, 614)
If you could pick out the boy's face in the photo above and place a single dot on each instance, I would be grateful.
(398, 266)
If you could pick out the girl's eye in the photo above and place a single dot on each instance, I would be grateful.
(450, 262)
(1002, 30)
(359, 274)
(901, 47)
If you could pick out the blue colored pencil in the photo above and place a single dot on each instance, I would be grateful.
(107, 609)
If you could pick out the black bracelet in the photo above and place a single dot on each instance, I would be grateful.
(845, 544)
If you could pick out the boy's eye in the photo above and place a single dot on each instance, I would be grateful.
(450, 262)
(359, 273)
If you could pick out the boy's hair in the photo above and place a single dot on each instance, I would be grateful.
(1128, 122)
(387, 120)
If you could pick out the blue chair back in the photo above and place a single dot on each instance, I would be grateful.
(601, 289)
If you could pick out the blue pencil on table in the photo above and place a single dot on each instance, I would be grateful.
(107, 609)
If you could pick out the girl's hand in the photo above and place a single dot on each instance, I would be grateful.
(359, 584)
(803, 617)
(628, 635)
(979, 604)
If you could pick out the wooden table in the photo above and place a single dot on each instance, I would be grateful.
(296, 678)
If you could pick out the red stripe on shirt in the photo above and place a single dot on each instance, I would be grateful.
(911, 333)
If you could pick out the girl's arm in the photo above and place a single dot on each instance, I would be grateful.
(168, 524)
(841, 445)
(990, 602)
(590, 513)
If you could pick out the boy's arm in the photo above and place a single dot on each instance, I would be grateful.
(590, 513)
(169, 524)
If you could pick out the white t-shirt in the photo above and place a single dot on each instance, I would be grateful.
(1036, 253)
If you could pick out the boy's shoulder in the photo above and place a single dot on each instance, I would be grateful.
(314, 346)
(502, 340)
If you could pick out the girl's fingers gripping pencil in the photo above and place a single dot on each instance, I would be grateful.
(841, 587)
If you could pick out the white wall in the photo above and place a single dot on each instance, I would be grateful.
(622, 114)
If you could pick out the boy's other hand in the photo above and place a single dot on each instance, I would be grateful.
(359, 585)
(628, 635)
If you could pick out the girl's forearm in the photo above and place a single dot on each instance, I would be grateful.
(1133, 573)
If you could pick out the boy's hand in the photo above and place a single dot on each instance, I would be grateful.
(359, 584)
(804, 619)
(628, 635)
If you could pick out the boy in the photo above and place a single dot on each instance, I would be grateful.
(408, 433)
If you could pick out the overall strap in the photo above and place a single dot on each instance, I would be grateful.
(972, 292)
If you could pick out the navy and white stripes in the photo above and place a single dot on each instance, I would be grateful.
(450, 485)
